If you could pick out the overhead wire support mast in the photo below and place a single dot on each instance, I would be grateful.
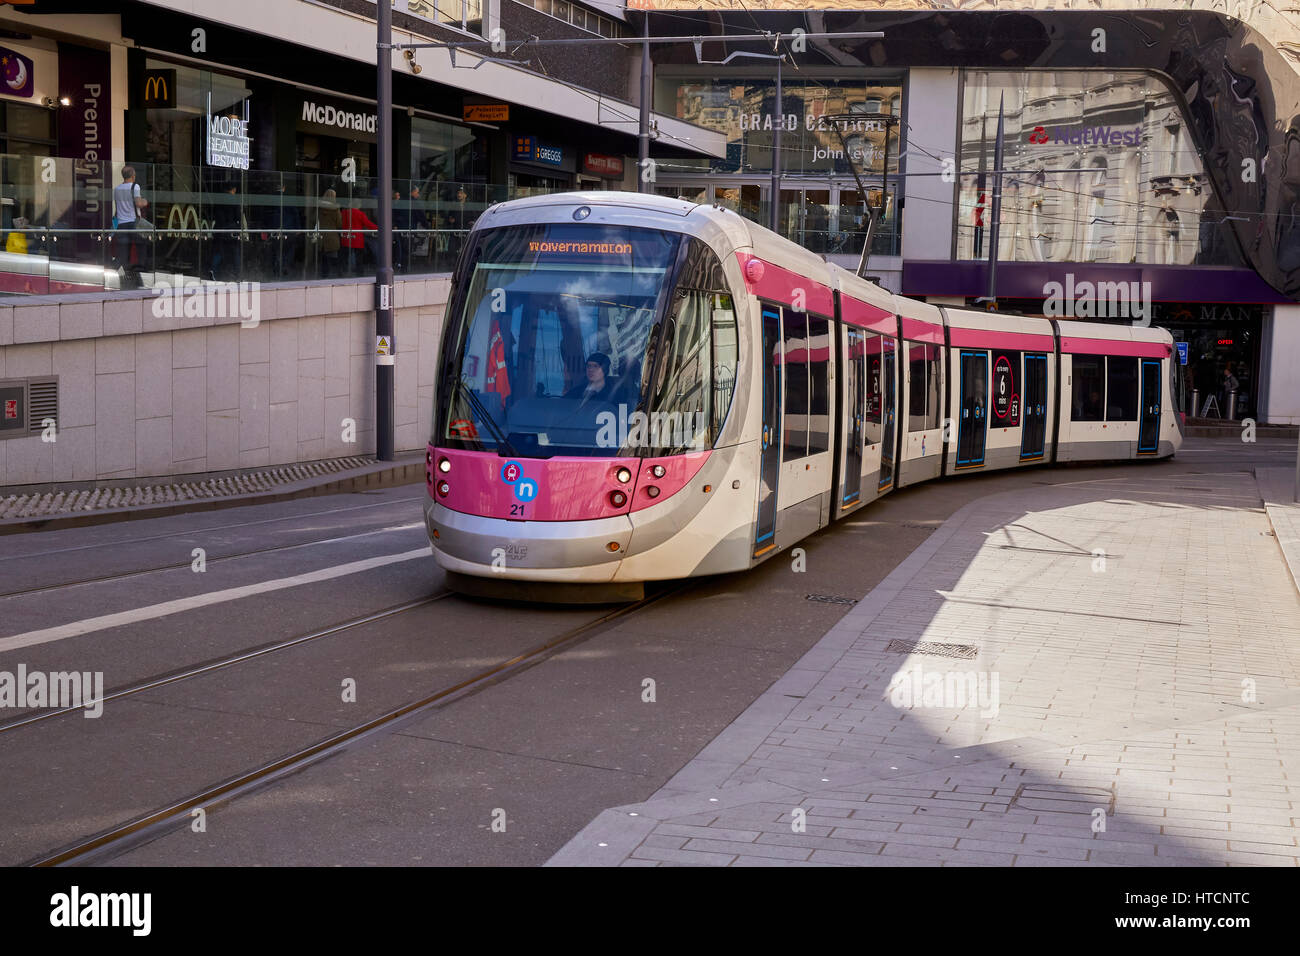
(385, 344)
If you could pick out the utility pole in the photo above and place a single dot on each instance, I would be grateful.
(776, 146)
(385, 343)
(991, 303)
(643, 133)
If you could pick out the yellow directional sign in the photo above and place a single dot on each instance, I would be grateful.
(486, 112)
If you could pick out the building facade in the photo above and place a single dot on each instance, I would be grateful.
(251, 126)
(1151, 164)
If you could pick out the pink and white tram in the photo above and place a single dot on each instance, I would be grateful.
(636, 388)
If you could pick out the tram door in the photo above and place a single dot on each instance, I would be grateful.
(1149, 425)
(1033, 432)
(889, 409)
(974, 390)
(770, 461)
(854, 378)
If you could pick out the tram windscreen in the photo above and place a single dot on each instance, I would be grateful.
(554, 334)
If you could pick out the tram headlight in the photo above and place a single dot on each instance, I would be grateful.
(617, 498)
(652, 491)
(624, 475)
(443, 488)
(658, 471)
(444, 465)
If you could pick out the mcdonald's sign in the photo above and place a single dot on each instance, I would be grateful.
(159, 89)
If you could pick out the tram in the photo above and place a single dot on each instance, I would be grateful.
(635, 388)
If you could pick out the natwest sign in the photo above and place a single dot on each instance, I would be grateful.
(1087, 136)
(598, 164)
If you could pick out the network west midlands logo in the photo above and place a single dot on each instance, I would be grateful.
(1087, 136)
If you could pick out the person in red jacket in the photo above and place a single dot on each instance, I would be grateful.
(353, 239)
(498, 376)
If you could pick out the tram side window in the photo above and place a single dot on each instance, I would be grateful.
(681, 388)
(1089, 388)
(923, 387)
(932, 387)
(872, 428)
(795, 351)
(697, 375)
(724, 357)
(1121, 388)
(819, 411)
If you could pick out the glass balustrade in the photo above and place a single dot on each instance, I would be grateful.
(60, 232)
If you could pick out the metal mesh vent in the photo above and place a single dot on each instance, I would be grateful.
(1063, 798)
(963, 652)
(43, 403)
(830, 599)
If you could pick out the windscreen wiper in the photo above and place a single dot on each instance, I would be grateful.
(503, 444)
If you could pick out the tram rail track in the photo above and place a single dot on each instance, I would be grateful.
(194, 532)
(207, 667)
(179, 566)
(147, 827)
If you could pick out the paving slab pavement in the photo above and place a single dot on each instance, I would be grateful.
(1101, 673)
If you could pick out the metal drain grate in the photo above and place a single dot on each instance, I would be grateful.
(830, 599)
(963, 652)
(1062, 798)
(55, 502)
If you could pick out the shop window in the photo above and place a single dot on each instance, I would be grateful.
(1089, 388)
(465, 14)
(742, 110)
(1121, 389)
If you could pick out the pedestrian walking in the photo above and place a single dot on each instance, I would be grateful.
(329, 220)
(128, 204)
(353, 238)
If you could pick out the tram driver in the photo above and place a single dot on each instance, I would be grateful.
(598, 386)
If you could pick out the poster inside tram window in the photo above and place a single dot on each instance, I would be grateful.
(1005, 401)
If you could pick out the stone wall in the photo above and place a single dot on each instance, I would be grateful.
(143, 395)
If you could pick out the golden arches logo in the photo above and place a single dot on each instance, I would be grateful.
(179, 219)
(155, 88)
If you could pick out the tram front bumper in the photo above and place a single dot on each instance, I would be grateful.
(572, 551)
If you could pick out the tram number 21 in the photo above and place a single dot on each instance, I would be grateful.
(517, 510)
